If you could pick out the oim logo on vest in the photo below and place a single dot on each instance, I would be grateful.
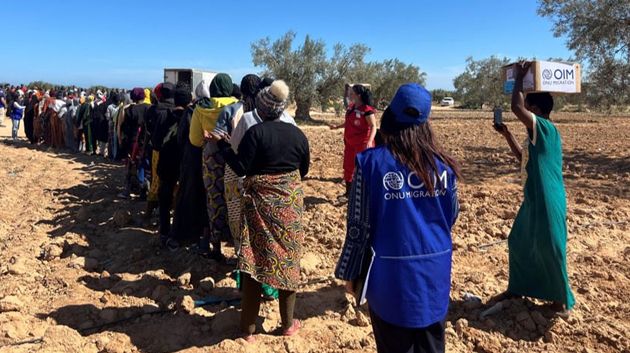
(395, 182)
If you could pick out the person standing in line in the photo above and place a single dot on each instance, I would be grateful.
(29, 116)
(274, 156)
(398, 248)
(190, 219)
(55, 119)
(166, 143)
(3, 106)
(250, 86)
(158, 108)
(111, 114)
(131, 127)
(69, 124)
(203, 122)
(100, 125)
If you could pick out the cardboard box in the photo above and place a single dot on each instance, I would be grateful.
(546, 76)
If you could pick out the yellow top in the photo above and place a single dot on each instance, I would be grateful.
(205, 119)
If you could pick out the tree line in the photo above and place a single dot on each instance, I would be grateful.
(598, 32)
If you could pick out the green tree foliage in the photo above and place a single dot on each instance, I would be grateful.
(317, 78)
(599, 33)
(481, 83)
(41, 85)
(391, 74)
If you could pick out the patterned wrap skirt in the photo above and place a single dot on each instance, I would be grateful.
(233, 198)
(213, 179)
(271, 243)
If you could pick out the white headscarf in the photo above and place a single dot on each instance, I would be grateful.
(202, 90)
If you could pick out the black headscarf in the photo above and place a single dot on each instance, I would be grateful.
(236, 92)
(249, 88)
(221, 86)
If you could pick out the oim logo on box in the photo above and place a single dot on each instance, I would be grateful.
(558, 76)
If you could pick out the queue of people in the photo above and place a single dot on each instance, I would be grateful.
(227, 166)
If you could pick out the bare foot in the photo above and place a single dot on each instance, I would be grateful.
(249, 338)
(297, 325)
(560, 310)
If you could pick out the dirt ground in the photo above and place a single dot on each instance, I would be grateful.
(81, 271)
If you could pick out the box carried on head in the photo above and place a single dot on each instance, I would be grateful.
(546, 76)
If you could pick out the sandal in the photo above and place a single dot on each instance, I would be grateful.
(294, 329)
(503, 296)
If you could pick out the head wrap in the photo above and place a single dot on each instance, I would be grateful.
(236, 91)
(182, 97)
(271, 101)
(158, 91)
(147, 96)
(137, 94)
(249, 85)
(249, 89)
(167, 91)
(221, 86)
(201, 91)
(265, 82)
(115, 96)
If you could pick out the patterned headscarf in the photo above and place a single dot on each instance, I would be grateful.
(271, 101)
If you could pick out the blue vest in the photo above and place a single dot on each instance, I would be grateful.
(410, 231)
(16, 113)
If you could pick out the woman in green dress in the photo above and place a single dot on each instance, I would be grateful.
(538, 240)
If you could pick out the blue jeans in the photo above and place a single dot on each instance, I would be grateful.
(16, 128)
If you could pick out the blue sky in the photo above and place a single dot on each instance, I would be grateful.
(128, 43)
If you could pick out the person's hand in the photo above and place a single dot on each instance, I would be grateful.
(332, 127)
(349, 287)
(502, 129)
(211, 136)
(521, 68)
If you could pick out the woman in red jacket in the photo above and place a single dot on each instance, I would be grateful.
(360, 129)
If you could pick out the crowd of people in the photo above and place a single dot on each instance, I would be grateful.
(227, 166)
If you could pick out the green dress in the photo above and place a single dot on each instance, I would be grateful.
(538, 240)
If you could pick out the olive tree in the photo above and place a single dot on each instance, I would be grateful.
(599, 33)
(481, 83)
(314, 77)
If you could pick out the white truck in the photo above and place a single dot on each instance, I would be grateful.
(191, 77)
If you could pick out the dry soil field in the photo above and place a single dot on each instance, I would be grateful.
(81, 271)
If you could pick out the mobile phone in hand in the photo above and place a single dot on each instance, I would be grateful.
(498, 116)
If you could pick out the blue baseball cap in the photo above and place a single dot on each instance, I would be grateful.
(409, 98)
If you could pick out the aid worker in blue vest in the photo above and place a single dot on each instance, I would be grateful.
(398, 250)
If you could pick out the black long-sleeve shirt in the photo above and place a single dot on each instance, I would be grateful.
(270, 147)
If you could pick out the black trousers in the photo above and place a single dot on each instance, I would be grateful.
(395, 339)
(165, 201)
